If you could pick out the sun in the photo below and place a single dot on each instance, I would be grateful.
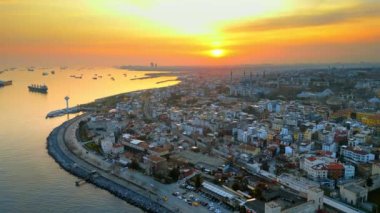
(217, 53)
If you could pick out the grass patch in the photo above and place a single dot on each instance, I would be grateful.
(92, 146)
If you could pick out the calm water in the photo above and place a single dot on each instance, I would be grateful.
(30, 180)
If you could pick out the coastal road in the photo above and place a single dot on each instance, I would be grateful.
(89, 167)
(130, 179)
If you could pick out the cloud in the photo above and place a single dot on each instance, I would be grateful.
(312, 19)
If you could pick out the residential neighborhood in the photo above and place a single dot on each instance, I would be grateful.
(267, 142)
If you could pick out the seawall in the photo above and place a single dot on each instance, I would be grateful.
(61, 157)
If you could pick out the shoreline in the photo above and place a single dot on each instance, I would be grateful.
(58, 150)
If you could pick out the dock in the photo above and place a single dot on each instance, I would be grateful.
(61, 112)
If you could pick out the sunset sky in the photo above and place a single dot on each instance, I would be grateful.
(188, 32)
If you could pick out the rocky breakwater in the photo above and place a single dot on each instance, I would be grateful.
(58, 150)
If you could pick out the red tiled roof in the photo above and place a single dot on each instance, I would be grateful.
(334, 166)
(155, 158)
(160, 149)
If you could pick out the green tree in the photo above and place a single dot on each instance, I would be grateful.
(235, 186)
(369, 182)
(242, 209)
(198, 181)
(134, 165)
(256, 193)
(174, 173)
(265, 166)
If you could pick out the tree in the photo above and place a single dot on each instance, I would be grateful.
(134, 165)
(198, 181)
(242, 209)
(369, 182)
(265, 166)
(235, 186)
(256, 193)
(353, 115)
(174, 173)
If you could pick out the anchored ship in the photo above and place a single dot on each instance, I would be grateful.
(5, 83)
(38, 88)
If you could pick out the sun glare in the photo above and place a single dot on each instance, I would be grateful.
(217, 53)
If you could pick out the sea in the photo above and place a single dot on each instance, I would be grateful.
(30, 180)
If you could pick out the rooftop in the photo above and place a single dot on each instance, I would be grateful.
(284, 200)
(354, 187)
(136, 142)
(335, 166)
(156, 159)
(217, 190)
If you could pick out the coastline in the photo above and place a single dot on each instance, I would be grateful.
(69, 161)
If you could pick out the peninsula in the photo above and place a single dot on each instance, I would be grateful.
(242, 141)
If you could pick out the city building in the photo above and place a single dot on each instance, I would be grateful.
(353, 193)
(356, 155)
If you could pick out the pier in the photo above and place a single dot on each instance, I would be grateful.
(61, 112)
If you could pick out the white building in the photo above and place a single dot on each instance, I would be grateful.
(329, 146)
(189, 129)
(356, 155)
(106, 145)
(305, 147)
(274, 106)
(353, 193)
(349, 171)
(117, 148)
(315, 167)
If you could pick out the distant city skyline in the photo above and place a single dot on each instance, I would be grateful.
(188, 32)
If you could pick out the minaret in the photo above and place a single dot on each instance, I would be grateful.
(231, 78)
(67, 103)
(251, 78)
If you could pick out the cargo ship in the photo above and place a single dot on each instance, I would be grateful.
(38, 88)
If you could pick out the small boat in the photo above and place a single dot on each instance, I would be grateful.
(112, 78)
(77, 77)
(94, 78)
(30, 69)
(5, 83)
(45, 73)
(38, 88)
(52, 72)
(125, 75)
(99, 76)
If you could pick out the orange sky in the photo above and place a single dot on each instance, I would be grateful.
(188, 32)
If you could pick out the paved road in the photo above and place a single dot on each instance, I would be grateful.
(67, 159)
(129, 178)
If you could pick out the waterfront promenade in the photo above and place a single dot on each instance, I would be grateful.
(64, 146)
(58, 148)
